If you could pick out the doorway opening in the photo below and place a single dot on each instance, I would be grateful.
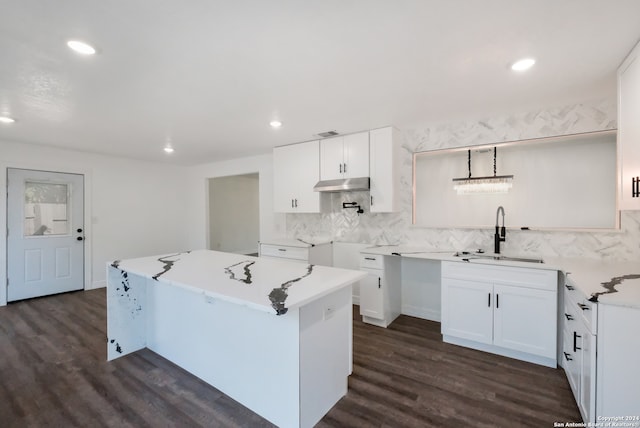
(234, 213)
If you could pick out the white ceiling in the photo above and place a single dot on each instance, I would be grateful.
(209, 75)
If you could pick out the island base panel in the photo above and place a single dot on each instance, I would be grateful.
(290, 369)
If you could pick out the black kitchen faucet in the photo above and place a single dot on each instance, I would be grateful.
(501, 232)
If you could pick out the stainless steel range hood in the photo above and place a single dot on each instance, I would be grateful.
(342, 185)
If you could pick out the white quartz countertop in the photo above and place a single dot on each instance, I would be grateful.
(297, 242)
(267, 284)
(449, 255)
(607, 282)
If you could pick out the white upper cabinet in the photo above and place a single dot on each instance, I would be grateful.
(345, 156)
(384, 152)
(296, 169)
(629, 131)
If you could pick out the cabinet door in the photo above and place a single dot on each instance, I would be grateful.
(308, 174)
(467, 310)
(372, 294)
(285, 168)
(331, 158)
(629, 130)
(383, 170)
(295, 172)
(571, 360)
(525, 320)
(356, 155)
(587, 401)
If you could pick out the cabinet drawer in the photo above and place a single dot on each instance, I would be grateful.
(371, 261)
(282, 251)
(583, 307)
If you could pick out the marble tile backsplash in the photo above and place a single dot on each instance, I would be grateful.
(395, 228)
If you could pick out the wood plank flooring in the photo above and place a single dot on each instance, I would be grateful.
(54, 373)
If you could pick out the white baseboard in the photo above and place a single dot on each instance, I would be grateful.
(418, 312)
(96, 284)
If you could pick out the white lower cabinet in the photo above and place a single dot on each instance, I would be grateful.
(467, 312)
(600, 358)
(372, 294)
(523, 318)
(380, 301)
(579, 349)
(505, 310)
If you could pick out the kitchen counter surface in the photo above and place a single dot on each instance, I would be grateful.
(449, 256)
(265, 284)
(607, 282)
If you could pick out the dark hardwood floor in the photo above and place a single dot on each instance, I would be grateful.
(54, 373)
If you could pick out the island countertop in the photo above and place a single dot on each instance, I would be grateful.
(265, 284)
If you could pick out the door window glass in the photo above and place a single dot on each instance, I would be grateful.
(46, 209)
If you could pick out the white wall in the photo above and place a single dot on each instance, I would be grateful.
(272, 225)
(133, 208)
(234, 213)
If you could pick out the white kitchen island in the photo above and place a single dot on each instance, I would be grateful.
(274, 335)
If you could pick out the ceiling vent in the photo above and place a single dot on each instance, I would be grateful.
(328, 134)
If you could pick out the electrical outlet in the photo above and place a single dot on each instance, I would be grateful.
(328, 312)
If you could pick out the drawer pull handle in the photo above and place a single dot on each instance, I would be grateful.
(379, 282)
(569, 317)
(489, 299)
(569, 287)
(497, 301)
(575, 341)
(583, 306)
(567, 356)
(282, 249)
(370, 258)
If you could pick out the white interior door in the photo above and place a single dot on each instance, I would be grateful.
(45, 233)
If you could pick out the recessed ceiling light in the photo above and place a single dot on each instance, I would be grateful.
(275, 124)
(523, 64)
(168, 149)
(6, 119)
(81, 47)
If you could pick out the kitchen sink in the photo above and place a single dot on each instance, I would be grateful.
(470, 256)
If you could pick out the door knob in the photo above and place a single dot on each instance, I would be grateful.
(79, 230)
(79, 238)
